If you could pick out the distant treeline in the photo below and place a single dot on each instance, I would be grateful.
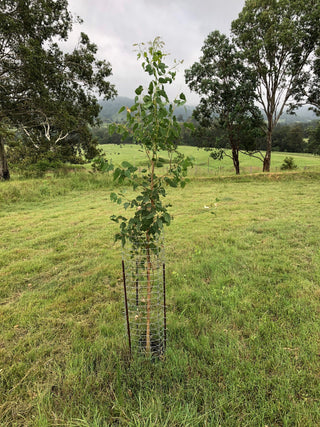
(293, 138)
(110, 108)
(297, 133)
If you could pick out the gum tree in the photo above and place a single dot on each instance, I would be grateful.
(227, 90)
(278, 39)
(314, 87)
(46, 93)
(152, 124)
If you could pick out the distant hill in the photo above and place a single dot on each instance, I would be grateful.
(302, 115)
(109, 112)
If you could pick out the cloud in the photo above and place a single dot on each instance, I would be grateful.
(115, 25)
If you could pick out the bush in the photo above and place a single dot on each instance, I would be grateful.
(38, 169)
(288, 164)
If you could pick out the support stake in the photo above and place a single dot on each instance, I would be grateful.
(126, 304)
(164, 307)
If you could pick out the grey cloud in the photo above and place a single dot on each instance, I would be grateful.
(114, 25)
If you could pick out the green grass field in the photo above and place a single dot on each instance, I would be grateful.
(243, 304)
(205, 166)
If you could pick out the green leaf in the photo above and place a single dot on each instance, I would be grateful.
(116, 174)
(163, 93)
(112, 128)
(159, 223)
(135, 127)
(171, 182)
(147, 99)
(127, 165)
(139, 90)
(113, 197)
(149, 69)
(121, 109)
(167, 218)
(150, 216)
(188, 125)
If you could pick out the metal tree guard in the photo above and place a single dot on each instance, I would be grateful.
(144, 282)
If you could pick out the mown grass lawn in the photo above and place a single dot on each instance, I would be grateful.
(243, 307)
(204, 165)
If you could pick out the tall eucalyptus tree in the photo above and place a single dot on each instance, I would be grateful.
(278, 39)
(227, 90)
(46, 92)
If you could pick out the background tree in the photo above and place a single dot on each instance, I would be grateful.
(314, 87)
(48, 94)
(294, 142)
(278, 39)
(289, 138)
(314, 100)
(313, 145)
(5, 135)
(227, 90)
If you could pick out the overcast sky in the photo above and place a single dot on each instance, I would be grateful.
(115, 25)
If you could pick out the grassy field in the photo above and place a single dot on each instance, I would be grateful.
(243, 305)
(206, 166)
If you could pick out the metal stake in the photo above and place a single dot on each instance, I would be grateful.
(164, 307)
(126, 304)
(137, 283)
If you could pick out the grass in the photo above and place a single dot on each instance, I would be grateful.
(205, 166)
(243, 307)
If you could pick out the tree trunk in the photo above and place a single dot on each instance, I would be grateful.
(4, 170)
(235, 159)
(267, 157)
(267, 162)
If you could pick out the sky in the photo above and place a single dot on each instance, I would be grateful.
(115, 25)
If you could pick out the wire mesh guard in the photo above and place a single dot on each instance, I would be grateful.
(145, 299)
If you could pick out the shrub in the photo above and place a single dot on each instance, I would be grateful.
(288, 164)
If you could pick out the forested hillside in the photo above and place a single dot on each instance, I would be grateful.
(110, 108)
(304, 114)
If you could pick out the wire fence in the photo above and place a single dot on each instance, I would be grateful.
(145, 299)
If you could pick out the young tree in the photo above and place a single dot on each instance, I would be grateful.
(153, 125)
(47, 93)
(227, 90)
(278, 39)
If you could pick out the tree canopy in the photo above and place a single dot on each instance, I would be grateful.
(228, 93)
(48, 94)
(153, 125)
(278, 39)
